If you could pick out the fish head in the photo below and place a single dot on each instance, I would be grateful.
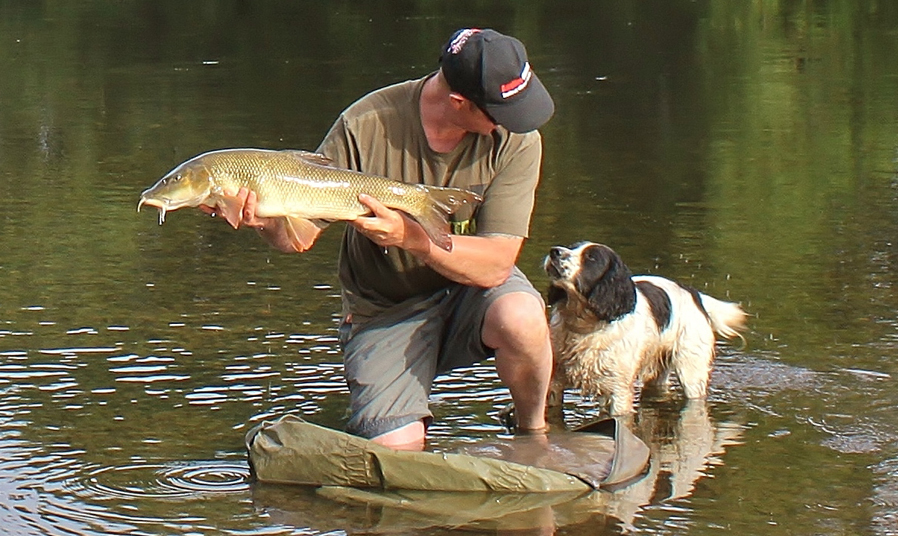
(188, 185)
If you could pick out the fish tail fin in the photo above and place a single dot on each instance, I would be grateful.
(443, 202)
(435, 223)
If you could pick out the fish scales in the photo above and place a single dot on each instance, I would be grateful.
(286, 184)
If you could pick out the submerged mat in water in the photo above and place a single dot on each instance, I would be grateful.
(293, 451)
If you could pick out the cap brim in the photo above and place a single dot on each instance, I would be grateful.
(528, 112)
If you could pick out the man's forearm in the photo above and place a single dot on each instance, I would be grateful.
(481, 261)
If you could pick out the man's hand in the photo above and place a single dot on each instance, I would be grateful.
(387, 227)
(239, 209)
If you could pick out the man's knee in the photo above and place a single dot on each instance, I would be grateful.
(513, 319)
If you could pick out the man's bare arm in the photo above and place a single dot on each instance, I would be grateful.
(483, 261)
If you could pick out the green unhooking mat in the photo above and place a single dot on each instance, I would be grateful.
(290, 450)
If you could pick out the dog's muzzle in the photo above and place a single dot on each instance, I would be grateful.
(555, 260)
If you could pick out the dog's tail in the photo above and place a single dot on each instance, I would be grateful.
(727, 318)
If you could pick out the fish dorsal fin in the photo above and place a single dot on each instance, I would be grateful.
(310, 157)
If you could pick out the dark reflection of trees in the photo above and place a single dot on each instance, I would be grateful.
(748, 136)
(704, 140)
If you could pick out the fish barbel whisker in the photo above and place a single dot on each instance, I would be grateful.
(143, 201)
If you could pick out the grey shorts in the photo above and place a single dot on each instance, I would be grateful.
(390, 362)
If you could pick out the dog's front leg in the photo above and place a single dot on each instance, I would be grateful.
(555, 402)
(622, 393)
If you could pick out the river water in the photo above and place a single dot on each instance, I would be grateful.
(745, 148)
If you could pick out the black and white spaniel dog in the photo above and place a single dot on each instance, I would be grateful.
(611, 328)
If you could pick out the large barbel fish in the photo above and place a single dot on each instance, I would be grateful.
(304, 188)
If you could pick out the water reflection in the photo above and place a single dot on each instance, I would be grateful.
(48, 481)
(744, 148)
(50, 489)
(87, 432)
(63, 497)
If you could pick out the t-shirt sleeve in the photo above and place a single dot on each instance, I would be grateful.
(339, 145)
(509, 199)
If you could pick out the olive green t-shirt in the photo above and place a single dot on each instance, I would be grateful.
(381, 134)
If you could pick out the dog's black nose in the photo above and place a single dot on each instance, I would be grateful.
(556, 252)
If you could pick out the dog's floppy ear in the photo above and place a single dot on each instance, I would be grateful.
(606, 282)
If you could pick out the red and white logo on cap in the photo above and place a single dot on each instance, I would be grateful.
(458, 43)
(510, 89)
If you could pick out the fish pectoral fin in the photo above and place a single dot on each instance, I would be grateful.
(303, 232)
(230, 209)
(311, 158)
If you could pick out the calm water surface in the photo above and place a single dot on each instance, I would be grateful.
(748, 149)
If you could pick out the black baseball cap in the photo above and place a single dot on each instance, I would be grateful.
(491, 70)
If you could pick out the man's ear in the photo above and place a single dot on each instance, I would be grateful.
(458, 101)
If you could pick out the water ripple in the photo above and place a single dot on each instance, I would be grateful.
(161, 481)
